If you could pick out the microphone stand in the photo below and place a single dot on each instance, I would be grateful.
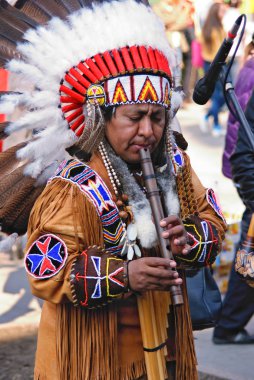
(231, 96)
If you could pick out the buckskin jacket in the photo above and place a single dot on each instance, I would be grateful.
(90, 325)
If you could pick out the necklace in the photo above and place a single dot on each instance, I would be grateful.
(130, 246)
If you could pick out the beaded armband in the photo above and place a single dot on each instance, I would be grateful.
(97, 278)
(204, 241)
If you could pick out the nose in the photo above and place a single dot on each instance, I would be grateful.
(145, 127)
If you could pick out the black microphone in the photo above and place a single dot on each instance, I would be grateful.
(205, 86)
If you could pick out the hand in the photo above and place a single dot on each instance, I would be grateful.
(152, 273)
(174, 231)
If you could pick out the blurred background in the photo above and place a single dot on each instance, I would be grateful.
(20, 311)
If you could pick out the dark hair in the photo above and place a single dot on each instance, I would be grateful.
(108, 112)
(212, 21)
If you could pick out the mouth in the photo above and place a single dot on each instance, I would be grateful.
(138, 147)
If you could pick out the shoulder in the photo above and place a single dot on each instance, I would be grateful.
(180, 140)
(70, 170)
(58, 188)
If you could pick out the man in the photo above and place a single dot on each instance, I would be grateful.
(92, 251)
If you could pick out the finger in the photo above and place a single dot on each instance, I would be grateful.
(165, 285)
(172, 265)
(159, 262)
(180, 241)
(155, 274)
(171, 219)
(174, 231)
(186, 249)
(179, 250)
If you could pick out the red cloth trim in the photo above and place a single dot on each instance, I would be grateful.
(96, 71)
(127, 59)
(75, 84)
(144, 57)
(152, 59)
(110, 63)
(118, 61)
(72, 93)
(136, 57)
(80, 77)
(98, 59)
(88, 73)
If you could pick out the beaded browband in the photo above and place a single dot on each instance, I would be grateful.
(128, 75)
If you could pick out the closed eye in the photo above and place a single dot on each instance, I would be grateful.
(158, 118)
(135, 118)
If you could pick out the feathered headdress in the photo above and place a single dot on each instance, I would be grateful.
(73, 53)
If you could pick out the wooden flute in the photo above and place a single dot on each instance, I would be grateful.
(153, 195)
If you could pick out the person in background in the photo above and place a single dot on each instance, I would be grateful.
(231, 14)
(86, 211)
(188, 35)
(212, 35)
(178, 17)
(238, 305)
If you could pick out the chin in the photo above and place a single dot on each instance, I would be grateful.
(131, 159)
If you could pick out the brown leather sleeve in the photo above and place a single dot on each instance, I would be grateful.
(97, 278)
(62, 225)
(205, 210)
(205, 229)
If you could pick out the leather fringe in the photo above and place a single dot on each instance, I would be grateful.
(135, 371)
(39, 376)
(88, 334)
(186, 362)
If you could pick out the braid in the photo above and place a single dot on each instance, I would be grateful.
(185, 189)
(188, 204)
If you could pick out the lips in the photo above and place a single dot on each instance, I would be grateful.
(138, 147)
(143, 145)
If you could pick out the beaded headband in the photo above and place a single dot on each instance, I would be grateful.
(125, 76)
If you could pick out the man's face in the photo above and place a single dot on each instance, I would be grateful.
(134, 127)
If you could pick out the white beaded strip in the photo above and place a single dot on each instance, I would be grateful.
(110, 170)
(113, 179)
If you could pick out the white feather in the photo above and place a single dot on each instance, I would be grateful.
(8, 103)
(28, 71)
(37, 167)
(176, 101)
(37, 119)
(44, 147)
(117, 24)
(51, 50)
(50, 170)
(40, 99)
